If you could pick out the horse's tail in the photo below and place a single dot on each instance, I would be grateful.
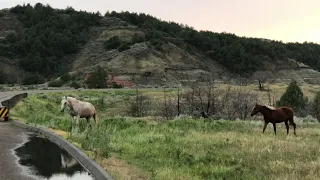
(95, 117)
(290, 114)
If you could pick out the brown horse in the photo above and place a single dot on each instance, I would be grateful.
(275, 115)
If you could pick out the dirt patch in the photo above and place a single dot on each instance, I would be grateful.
(59, 132)
(121, 170)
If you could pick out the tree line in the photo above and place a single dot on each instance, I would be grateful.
(49, 35)
(240, 55)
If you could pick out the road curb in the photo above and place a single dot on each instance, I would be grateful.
(95, 169)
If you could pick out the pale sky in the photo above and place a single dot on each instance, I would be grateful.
(286, 20)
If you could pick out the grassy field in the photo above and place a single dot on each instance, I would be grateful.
(182, 148)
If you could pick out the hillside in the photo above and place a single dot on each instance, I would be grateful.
(40, 43)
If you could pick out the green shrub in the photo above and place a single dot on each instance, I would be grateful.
(112, 43)
(123, 47)
(33, 79)
(6, 78)
(316, 106)
(97, 139)
(75, 85)
(137, 38)
(56, 83)
(157, 43)
(116, 86)
(66, 77)
(97, 79)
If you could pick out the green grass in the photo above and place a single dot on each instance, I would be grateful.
(184, 148)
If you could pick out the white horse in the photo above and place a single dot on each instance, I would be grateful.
(79, 109)
(67, 161)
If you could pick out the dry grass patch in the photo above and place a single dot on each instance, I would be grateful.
(60, 133)
(121, 170)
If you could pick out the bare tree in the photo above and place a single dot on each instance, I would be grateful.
(235, 103)
(261, 86)
(269, 98)
(274, 97)
(178, 102)
(210, 96)
(138, 109)
(140, 106)
(165, 103)
(200, 98)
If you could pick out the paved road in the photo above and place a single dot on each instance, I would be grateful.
(10, 138)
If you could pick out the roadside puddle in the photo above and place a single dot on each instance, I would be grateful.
(48, 161)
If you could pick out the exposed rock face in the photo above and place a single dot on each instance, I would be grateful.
(285, 72)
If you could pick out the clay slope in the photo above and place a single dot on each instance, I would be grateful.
(169, 63)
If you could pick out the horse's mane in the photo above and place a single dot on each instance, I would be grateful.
(71, 100)
(269, 107)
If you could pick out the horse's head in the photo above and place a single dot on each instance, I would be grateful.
(64, 103)
(256, 109)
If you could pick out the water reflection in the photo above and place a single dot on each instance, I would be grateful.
(49, 161)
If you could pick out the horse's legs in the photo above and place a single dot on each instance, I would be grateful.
(77, 122)
(95, 118)
(274, 128)
(287, 126)
(72, 125)
(72, 122)
(88, 121)
(265, 126)
(294, 125)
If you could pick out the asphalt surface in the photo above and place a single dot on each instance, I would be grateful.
(11, 137)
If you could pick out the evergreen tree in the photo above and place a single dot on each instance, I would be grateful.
(97, 79)
(316, 106)
(112, 43)
(293, 97)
